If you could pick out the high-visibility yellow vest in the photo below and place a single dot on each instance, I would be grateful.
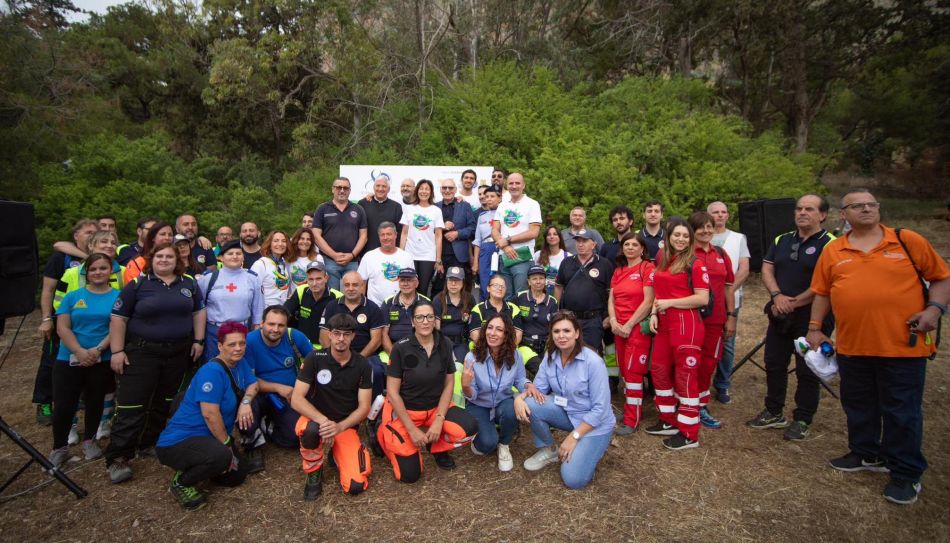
(75, 279)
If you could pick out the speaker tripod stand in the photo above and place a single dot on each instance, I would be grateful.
(36, 456)
(749, 357)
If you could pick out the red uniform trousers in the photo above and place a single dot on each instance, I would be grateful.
(632, 356)
(712, 352)
(458, 428)
(351, 457)
(677, 349)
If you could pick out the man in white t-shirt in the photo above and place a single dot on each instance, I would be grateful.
(737, 248)
(517, 224)
(467, 192)
(380, 267)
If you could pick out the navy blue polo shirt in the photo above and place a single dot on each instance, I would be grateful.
(340, 229)
(204, 257)
(454, 321)
(398, 318)
(484, 311)
(654, 243)
(159, 312)
(610, 249)
(306, 314)
(585, 287)
(128, 252)
(368, 318)
(536, 315)
(793, 273)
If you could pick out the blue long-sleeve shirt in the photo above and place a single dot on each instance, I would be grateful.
(490, 388)
(585, 384)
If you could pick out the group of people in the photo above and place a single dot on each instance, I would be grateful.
(437, 324)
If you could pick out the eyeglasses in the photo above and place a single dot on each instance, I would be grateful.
(448, 189)
(422, 318)
(862, 206)
(794, 255)
(341, 188)
(341, 333)
(497, 285)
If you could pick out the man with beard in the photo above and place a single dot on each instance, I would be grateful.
(125, 253)
(187, 225)
(250, 238)
(621, 218)
(466, 193)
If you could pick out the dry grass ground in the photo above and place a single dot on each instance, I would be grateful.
(739, 485)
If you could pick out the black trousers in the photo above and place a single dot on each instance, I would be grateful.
(449, 260)
(779, 348)
(144, 394)
(43, 385)
(200, 459)
(593, 332)
(281, 424)
(71, 382)
(425, 269)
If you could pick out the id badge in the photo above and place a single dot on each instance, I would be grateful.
(560, 401)
(494, 262)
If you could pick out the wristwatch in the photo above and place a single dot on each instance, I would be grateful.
(576, 435)
(245, 401)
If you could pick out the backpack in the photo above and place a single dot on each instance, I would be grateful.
(923, 286)
(238, 392)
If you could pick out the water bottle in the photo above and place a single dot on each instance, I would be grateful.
(827, 349)
(278, 402)
(376, 408)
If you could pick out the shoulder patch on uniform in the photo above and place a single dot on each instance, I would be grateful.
(207, 387)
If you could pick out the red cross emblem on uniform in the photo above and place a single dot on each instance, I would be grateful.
(231, 287)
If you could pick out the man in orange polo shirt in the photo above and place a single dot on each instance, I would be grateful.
(884, 336)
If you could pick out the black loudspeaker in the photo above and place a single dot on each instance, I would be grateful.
(761, 221)
(19, 259)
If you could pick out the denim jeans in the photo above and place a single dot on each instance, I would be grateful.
(579, 470)
(488, 437)
(723, 378)
(516, 277)
(336, 271)
(883, 401)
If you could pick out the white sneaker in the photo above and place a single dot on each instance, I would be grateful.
(91, 450)
(59, 457)
(73, 435)
(544, 456)
(105, 429)
(505, 462)
(475, 451)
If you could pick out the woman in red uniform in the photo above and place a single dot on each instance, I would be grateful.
(630, 300)
(721, 322)
(680, 287)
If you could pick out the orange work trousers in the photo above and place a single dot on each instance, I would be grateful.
(351, 457)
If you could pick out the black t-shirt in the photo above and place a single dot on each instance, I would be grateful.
(159, 312)
(536, 316)
(610, 249)
(334, 388)
(585, 287)
(250, 258)
(340, 229)
(204, 257)
(376, 214)
(368, 318)
(794, 276)
(58, 263)
(307, 315)
(423, 377)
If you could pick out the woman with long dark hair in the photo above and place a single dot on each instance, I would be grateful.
(160, 232)
(301, 252)
(422, 234)
(490, 372)
(454, 306)
(551, 254)
(187, 256)
(680, 288)
(629, 303)
(273, 268)
(418, 412)
(573, 394)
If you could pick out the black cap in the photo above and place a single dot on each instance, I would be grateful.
(407, 273)
(455, 272)
(316, 265)
(536, 269)
(583, 234)
(232, 244)
(496, 188)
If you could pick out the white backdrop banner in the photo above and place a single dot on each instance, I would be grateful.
(362, 177)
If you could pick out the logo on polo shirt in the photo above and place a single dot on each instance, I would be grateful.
(691, 361)
(81, 304)
(207, 387)
(353, 214)
(643, 359)
(810, 251)
(512, 218)
(288, 362)
(201, 259)
(324, 376)
(361, 318)
(421, 222)
(391, 271)
(186, 293)
(595, 273)
(117, 305)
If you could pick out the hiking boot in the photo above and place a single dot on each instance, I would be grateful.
(314, 485)
(119, 471)
(147, 452)
(59, 456)
(901, 491)
(708, 420)
(797, 431)
(444, 460)
(44, 414)
(855, 462)
(624, 430)
(188, 496)
(91, 450)
(73, 435)
(540, 459)
(766, 419)
(678, 442)
(723, 397)
(505, 462)
(255, 460)
(661, 429)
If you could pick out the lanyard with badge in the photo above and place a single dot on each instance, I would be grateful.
(494, 387)
(560, 401)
